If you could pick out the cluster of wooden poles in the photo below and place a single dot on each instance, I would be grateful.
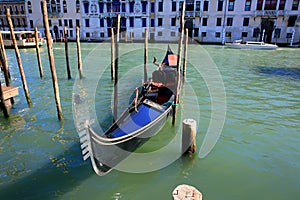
(5, 68)
(115, 60)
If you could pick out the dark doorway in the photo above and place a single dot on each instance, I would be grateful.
(267, 25)
(152, 36)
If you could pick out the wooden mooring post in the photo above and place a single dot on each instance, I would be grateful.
(51, 59)
(146, 55)
(186, 40)
(2, 102)
(176, 99)
(4, 61)
(67, 53)
(189, 131)
(38, 52)
(12, 32)
(112, 67)
(6, 94)
(79, 52)
(116, 69)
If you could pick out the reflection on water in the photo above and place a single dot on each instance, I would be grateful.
(285, 72)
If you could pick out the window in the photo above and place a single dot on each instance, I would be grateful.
(22, 9)
(131, 6)
(71, 33)
(11, 10)
(144, 22)
(87, 34)
(204, 21)
(246, 21)
(159, 21)
(101, 22)
(292, 21)
(173, 6)
(50, 22)
(270, 4)
(289, 35)
(256, 32)
(229, 21)
(248, 5)
(31, 23)
(244, 34)
(160, 6)
(65, 22)
(144, 6)
(159, 33)
(16, 10)
(78, 22)
(77, 6)
(277, 33)
(53, 6)
(219, 21)
(70, 23)
(196, 32)
(205, 5)
(173, 34)
(101, 7)
(281, 4)
(152, 7)
(203, 34)
(123, 22)
(24, 22)
(59, 22)
(217, 34)
(102, 34)
(220, 5)
(87, 22)
(123, 7)
(259, 4)
(116, 6)
(152, 22)
(228, 34)
(189, 6)
(173, 22)
(295, 5)
(108, 21)
(198, 6)
(86, 7)
(131, 21)
(231, 5)
(108, 7)
(29, 6)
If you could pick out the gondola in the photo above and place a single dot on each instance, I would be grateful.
(143, 118)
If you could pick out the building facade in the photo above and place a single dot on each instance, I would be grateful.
(61, 13)
(208, 21)
(17, 12)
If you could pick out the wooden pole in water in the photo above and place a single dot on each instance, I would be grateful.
(176, 99)
(67, 53)
(185, 51)
(79, 52)
(4, 61)
(38, 52)
(51, 60)
(146, 55)
(2, 102)
(116, 69)
(112, 68)
(12, 32)
(189, 130)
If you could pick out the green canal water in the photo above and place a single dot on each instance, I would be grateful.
(256, 153)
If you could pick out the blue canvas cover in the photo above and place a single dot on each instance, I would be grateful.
(137, 120)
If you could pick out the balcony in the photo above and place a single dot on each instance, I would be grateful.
(190, 14)
(55, 15)
(270, 13)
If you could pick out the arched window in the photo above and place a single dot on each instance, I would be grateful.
(29, 6)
